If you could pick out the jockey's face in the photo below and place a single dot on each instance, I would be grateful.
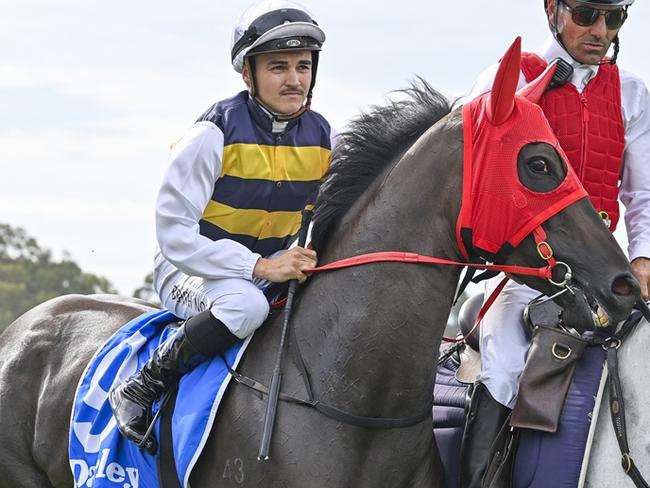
(587, 45)
(283, 80)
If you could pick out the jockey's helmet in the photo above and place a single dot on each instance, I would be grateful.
(274, 25)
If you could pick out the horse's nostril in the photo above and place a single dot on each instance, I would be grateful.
(625, 286)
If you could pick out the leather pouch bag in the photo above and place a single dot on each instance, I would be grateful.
(546, 378)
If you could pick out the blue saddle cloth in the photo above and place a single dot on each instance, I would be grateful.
(543, 459)
(555, 459)
(449, 418)
(102, 458)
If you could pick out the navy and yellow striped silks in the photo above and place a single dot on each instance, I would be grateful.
(266, 179)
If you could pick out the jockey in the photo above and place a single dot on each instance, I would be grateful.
(602, 119)
(231, 200)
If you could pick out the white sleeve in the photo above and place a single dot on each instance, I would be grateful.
(195, 165)
(634, 191)
(334, 138)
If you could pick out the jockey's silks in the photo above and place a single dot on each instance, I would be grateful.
(267, 178)
(589, 126)
(497, 210)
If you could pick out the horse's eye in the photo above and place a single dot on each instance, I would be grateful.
(539, 166)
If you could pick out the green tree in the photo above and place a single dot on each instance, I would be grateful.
(29, 275)
(146, 291)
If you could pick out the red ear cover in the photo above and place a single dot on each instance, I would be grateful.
(502, 96)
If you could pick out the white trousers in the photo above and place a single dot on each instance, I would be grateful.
(238, 303)
(504, 342)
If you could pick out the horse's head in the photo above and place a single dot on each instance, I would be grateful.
(520, 186)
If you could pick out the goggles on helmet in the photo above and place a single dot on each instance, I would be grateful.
(263, 26)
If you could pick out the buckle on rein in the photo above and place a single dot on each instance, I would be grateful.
(545, 251)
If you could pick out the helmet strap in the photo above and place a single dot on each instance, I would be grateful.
(249, 63)
(314, 70)
(280, 117)
(295, 115)
(554, 28)
(617, 47)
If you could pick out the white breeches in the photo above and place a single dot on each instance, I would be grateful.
(238, 303)
(504, 343)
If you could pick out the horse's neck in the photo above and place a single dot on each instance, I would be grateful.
(376, 328)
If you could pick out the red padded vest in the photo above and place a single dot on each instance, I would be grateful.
(589, 126)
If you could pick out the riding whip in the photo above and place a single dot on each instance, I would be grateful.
(274, 389)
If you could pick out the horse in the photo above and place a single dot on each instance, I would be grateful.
(367, 335)
(604, 451)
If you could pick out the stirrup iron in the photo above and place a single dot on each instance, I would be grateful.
(149, 442)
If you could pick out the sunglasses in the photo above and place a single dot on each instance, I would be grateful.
(586, 16)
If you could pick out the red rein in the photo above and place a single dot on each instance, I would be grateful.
(414, 258)
(545, 272)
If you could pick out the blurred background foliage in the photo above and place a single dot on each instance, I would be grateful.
(30, 275)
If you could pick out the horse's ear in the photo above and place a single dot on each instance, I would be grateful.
(534, 90)
(501, 100)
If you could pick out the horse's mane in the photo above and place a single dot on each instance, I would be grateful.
(372, 141)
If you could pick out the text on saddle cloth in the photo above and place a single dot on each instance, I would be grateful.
(99, 455)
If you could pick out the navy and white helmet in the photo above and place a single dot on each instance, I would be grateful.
(274, 25)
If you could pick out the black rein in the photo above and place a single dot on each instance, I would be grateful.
(616, 404)
(329, 410)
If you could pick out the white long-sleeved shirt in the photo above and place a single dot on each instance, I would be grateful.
(634, 190)
(195, 165)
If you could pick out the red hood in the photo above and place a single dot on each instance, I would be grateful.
(498, 211)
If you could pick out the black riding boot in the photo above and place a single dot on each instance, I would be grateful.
(198, 339)
(485, 418)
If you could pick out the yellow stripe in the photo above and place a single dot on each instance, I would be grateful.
(257, 223)
(275, 163)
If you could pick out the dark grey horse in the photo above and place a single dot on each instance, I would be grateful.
(368, 335)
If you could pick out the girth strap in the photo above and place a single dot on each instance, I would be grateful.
(374, 422)
(335, 413)
(329, 410)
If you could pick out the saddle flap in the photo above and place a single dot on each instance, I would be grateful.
(470, 365)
